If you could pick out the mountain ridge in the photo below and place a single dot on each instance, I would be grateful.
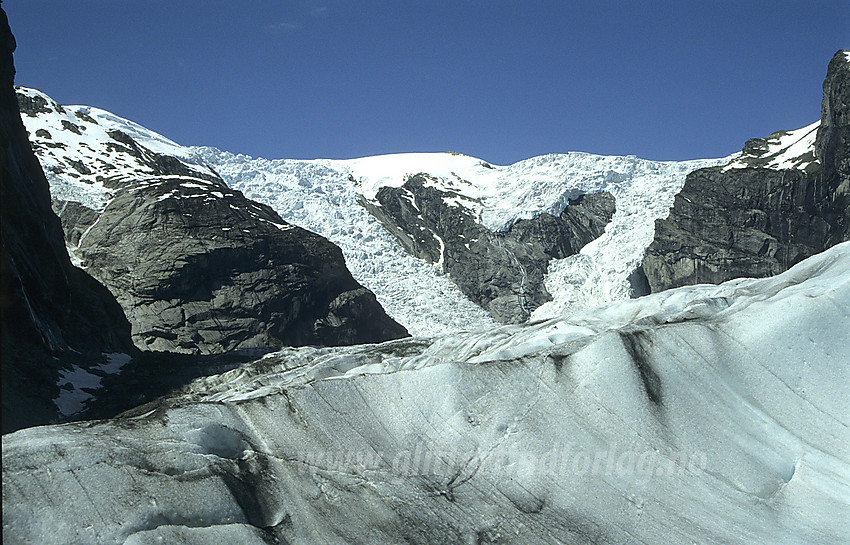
(325, 196)
(709, 414)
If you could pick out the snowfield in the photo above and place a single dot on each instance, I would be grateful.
(704, 414)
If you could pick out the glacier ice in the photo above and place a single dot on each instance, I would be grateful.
(704, 414)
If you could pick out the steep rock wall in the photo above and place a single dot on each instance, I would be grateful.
(53, 314)
(761, 219)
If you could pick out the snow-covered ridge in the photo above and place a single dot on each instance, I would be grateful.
(79, 156)
(781, 150)
(322, 195)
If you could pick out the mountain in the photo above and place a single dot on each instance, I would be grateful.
(56, 319)
(700, 414)
(704, 414)
(787, 197)
(197, 267)
(444, 240)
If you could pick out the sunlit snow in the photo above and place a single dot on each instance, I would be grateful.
(785, 150)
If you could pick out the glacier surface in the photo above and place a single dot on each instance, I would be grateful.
(705, 414)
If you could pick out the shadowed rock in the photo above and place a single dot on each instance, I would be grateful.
(53, 314)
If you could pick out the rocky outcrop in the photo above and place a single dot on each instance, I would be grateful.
(199, 268)
(747, 222)
(765, 211)
(833, 144)
(54, 315)
(501, 271)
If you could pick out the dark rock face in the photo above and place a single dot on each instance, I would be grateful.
(744, 222)
(501, 272)
(53, 314)
(199, 268)
(758, 221)
(833, 144)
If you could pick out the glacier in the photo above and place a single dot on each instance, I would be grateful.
(321, 195)
(705, 414)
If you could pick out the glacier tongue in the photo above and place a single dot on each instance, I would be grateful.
(705, 414)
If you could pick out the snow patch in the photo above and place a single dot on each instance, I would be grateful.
(785, 150)
(77, 384)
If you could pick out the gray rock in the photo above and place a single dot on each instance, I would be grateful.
(502, 272)
(76, 219)
(53, 315)
(743, 222)
(759, 221)
(32, 106)
(755, 146)
(199, 268)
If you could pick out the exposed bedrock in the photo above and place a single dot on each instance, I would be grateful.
(503, 272)
(759, 221)
(199, 268)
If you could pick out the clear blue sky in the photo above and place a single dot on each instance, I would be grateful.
(501, 80)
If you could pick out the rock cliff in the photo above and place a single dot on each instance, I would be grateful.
(54, 316)
(833, 144)
(786, 198)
